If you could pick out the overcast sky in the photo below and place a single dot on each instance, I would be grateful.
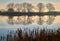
(33, 1)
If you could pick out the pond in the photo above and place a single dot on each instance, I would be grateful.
(8, 23)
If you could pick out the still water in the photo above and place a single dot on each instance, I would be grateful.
(31, 22)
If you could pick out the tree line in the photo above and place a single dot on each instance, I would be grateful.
(27, 7)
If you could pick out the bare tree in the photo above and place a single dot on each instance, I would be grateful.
(24, 7)
(40, 7)
(29, 7)
(10, 18)
(18, 7)
(51, 8)
(10, 7)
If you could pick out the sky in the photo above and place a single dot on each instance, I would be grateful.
(33, 1)
(56, 3)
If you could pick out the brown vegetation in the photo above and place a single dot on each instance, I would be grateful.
(35, 35)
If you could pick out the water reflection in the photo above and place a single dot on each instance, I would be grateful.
(30, 19)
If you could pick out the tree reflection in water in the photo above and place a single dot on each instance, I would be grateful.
(33, 19)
